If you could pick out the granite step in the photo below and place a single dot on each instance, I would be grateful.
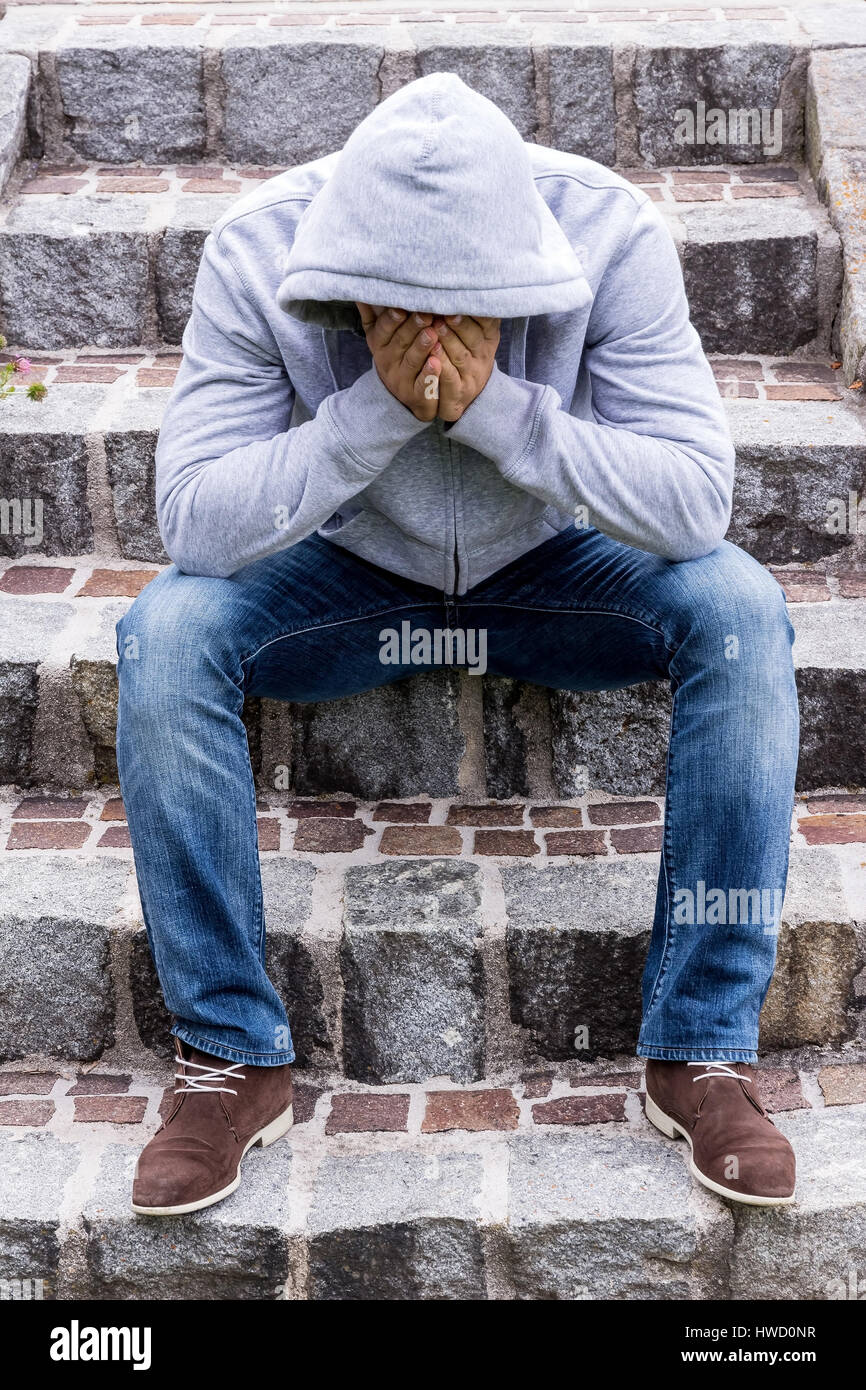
(443, 1195)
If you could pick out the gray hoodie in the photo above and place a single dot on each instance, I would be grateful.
(601, 405)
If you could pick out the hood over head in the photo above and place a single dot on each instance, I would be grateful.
(431, 206)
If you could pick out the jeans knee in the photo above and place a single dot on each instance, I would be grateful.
(738, 603)
(169, 637)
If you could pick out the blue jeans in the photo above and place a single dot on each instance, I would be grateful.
(580, 612)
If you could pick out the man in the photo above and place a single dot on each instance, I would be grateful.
(476, 341)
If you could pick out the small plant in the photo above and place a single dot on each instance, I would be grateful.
(18, 366)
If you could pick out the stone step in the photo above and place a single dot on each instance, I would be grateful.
(530, 924)
(447, 731)
(107, 255)
(82, 459)
(446, 1195)
(141, 90)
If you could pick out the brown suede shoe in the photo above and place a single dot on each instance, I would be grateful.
(736, 1149)
(220, 1110)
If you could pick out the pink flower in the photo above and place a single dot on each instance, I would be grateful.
(20, 364)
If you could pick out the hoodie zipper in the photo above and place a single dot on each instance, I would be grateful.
(451, 599)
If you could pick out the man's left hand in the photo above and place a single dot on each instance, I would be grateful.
(466, 351)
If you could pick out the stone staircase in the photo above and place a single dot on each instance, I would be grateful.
(459, 872)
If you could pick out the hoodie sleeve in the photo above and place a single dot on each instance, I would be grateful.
(655, 469)
(233, 482)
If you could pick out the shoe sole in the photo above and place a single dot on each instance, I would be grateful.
(269, 1135)
(672, 1130)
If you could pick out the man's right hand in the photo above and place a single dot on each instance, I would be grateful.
(401, 345)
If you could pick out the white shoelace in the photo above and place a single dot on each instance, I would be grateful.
(719, 1069)
(199, 1083)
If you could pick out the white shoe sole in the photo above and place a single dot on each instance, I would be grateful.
(672, 1130)
(269, 1135)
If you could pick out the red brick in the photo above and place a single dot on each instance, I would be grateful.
(575, 842)
(176, 18)
(580, 1110)
(493, 813)
(169, 359)
(114, 1110)
(354, 1112)
(536, 1084)
(800, 391)
(26, 1112)
(570, 816)
(68, 376)
(50, 808)
(639, 839)
(618, 1080)
(843, 1085)
(100, 1084)
(359, 19)
(35, 579)
(116, 583)
(700, 175)
(420, 839)
(767, 190)
(269, 833)
(48, 834)
(837, 802)
(113, 809)
(697, 193)
(780, 1089)
(199, 171)
(27, 1083)
(852, 583)
(804, 371)
(623, 813)
(401, 812)
(53, 184)
(115, 837)
(102, 359)
(505, 842)
(299, 810)
(155, 376)
(473, 1110)
(128, 171)
(738, 368)
(259, 173)
(642, 176)
(553, 17)
(304, 1102)
(130, 185)
(802, 586)
(210, 186)
(738, 390)
(833, 830)
(767, 173)
(326, 836)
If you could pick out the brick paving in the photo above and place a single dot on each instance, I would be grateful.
(361, 830)
(55, 1101)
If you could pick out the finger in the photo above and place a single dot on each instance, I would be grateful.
(458, 351)
(427, 381)
(386, 325)
(449, 376)
(368, 315)
(423, 344)
(408, 331)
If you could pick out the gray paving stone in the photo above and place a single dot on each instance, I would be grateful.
(815, 1249)
(397, 1226)
(751, 276)
(43, 467)
(611, 1216)
(611, 740)
(724, 76)
(54, 966)
(94, 679)
(137, 96)
(18, 702)
(811, 998)
(36, 1169)
(130, 457)
(237, 1249)
(177, 263)
(491, 60)
(842, 185)
(830, 654)
(14, 85)
(413, 1005)
(582, 114)
(288, 100)
(399, 740)
(576, 942)
(834, 100)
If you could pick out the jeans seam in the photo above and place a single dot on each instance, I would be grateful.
(214, 1042)
(574, 612)
(342, 622)
(668, 866)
